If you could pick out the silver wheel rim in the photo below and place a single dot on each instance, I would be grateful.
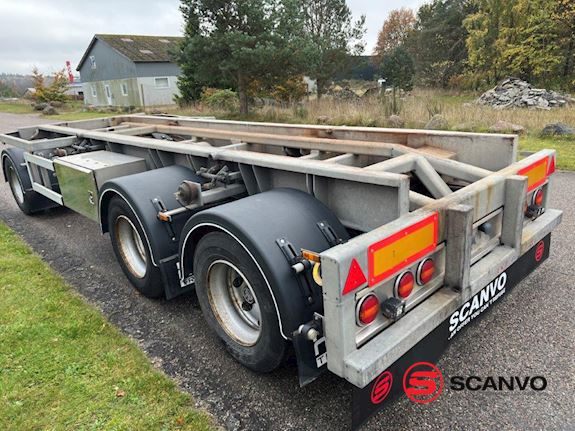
(15, 185)
(234, 302)
(131, 247)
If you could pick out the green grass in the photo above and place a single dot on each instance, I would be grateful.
(64, 367)
(16, 108)
(565, 149)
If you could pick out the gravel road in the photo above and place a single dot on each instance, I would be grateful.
(531, 332)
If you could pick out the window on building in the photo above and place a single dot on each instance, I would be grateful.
(93, 62)
(162, 83)
(108, 92)
(164, 40)
(146, 51)
(94, 92)
(126, 39)
(124, 89)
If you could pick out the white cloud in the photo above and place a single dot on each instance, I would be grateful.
(46, 33)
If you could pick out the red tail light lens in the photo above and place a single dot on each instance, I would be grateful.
(425, 271)
(538, 198)
(404, 285)
(367, 309)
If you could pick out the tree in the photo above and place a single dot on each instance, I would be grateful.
(55, 92)
(332, 36)
(398, 69)
(437, 43)
(238, 42)
(531, 39)
(395, 31)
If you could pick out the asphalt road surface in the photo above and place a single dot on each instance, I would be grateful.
(530, 332)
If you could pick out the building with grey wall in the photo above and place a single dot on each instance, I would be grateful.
(128, 70)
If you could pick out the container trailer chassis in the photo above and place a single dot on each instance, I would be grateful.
(368, 249)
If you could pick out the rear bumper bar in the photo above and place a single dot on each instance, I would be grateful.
(365, 364)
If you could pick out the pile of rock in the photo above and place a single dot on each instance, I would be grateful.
(516, 93)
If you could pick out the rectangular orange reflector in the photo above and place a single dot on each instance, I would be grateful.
(536, 173)
(402, 249)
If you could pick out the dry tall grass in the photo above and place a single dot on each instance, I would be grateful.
(415, 109)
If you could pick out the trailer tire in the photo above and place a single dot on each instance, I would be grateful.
(250, 331)
(132, 249)
(23, 199)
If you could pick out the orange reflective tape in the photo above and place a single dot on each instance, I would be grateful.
(402, 249)
(536, 173)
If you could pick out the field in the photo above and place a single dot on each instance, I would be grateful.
(415, 109)
(64, 367)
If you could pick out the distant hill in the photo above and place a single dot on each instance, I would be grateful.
(12, 85)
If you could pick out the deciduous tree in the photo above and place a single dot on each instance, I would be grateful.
(395, 31)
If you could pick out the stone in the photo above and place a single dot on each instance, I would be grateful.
(506, 127)
(396, 121)
(558, 129)
(515, 93)
(40, 106)
(49, 110)
(437, 122)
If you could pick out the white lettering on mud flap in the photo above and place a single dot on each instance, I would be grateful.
(320, 354)
(476, 305)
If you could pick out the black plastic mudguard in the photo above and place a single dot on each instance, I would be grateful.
(259, 223)
(389, 385)
(37, 202)
(140, 191)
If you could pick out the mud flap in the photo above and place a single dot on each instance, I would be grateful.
(171, 279)
(388, 386)
(311, 357)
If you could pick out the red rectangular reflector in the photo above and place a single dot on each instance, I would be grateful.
(402, 249)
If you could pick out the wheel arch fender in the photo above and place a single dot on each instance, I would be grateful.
(257, 223)
(139, 191)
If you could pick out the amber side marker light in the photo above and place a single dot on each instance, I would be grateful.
(367, 309)
(404, 285)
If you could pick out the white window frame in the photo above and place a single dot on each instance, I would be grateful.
(162, 86)
(124, 88)
(94, 90)
(93, 62)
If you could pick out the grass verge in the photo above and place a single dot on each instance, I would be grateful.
(64, 367)
(565, 149)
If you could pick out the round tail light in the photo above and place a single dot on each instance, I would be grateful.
(367, 309)
(425, 271)
(404, 285)
(537, 199)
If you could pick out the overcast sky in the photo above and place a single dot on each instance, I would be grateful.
(46, 33)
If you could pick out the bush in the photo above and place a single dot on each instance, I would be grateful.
(226, 100)
(55, 92)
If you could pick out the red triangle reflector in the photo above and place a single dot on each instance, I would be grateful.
(551, 169)
(355, 278)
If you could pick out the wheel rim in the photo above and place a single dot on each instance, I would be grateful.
(15, 185)
(234, 302)
(131, 247)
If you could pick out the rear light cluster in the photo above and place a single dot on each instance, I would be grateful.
(369, 307)
(534, 206)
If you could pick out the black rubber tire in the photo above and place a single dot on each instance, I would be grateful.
(269, 351)
(26, 206)
(150, 285)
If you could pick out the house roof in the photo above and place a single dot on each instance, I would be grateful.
(139, 49)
